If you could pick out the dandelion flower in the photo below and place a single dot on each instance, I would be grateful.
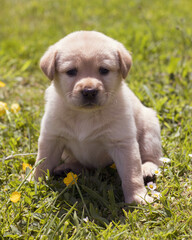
(165, 160)
(3, 108)
(113, 166)
(151, 185)
(190, 155)
(15, 108)
(157, 172)
(70, 179)
(2, 84)
(156, 194)
(25, 166)
(15, 197)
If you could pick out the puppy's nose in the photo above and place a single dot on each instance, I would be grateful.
(89, 92)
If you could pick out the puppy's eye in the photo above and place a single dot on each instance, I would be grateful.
(103, 71)
(72, 72)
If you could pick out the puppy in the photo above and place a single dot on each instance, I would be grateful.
(92, 117)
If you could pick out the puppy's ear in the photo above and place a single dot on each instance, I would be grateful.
(48, 62)
(125, 61)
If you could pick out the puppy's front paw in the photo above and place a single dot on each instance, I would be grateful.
(139, 198)
(34, 176)
(148, 169)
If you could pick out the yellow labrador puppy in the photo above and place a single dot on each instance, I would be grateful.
(92, 117)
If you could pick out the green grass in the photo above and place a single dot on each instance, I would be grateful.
(159, 35)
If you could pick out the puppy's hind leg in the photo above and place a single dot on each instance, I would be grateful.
(69, 164)
(150, 145)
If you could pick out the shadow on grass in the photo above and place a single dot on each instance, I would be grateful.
(98, 195)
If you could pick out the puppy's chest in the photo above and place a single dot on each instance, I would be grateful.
(83, 129)
(85, 141)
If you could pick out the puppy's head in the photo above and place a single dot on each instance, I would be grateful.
(87, 68)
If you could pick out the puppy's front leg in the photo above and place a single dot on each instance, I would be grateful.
(50, 148)
(128, 162)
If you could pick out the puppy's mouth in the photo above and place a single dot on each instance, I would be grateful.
(89, 98)
(89, 104)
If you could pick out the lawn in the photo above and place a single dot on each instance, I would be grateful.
(159, 35)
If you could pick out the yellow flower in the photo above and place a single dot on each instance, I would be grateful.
(70, 179)
(15, 197)
(3, 108)
(15, 108)
(113, 166)
(25, 166)
(2, 84)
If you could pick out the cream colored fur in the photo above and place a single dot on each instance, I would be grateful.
(116, 128)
